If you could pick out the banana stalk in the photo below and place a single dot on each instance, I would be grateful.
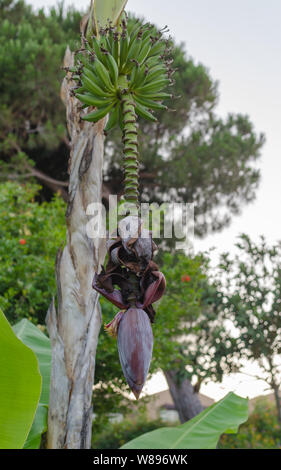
(130, 144)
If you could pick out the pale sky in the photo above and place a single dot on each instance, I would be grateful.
(240, 43)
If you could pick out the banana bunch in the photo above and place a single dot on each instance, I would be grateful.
(130, 60)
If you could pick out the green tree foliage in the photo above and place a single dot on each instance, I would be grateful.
(179, 308)
(207, 349)
(32, 116)
(261, 431)
(190, 334)
(30, 235)
(252, 302)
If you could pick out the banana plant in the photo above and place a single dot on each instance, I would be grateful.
(122, 71)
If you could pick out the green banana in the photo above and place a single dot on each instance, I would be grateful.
(133, 75)
(92, 100)
(115, 50)
(103, 74)
(98, 114)
(113, 69)
(133, 34)
(154, 96)
(89, 66)
(130, 27)
(124, 44)
(94, 88)
(97, 50)
(148, 31)
(152, 61)
(103, 46)
(109, 42)
(80, 89)
(139, 77)
(150, 104)
(94, 78)
(144, 113)
(145, 49)
(113, 118)
(156, 73)
(154, 86)
(158, 48)
(133, 52)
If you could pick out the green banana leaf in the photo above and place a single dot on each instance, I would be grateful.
(32, 337)
(201, 432)
(105, 10)
(39, 426)
(20, 388)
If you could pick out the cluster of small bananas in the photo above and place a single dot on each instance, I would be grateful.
(132, 59)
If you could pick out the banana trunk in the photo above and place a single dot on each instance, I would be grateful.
(74, 328)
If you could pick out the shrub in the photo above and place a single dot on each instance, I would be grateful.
(117, 434)
(261, 431)
(30, 236)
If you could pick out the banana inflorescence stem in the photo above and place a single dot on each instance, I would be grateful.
(130, 148)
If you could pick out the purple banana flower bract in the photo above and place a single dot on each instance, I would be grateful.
(132, 282)
(135, 343)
